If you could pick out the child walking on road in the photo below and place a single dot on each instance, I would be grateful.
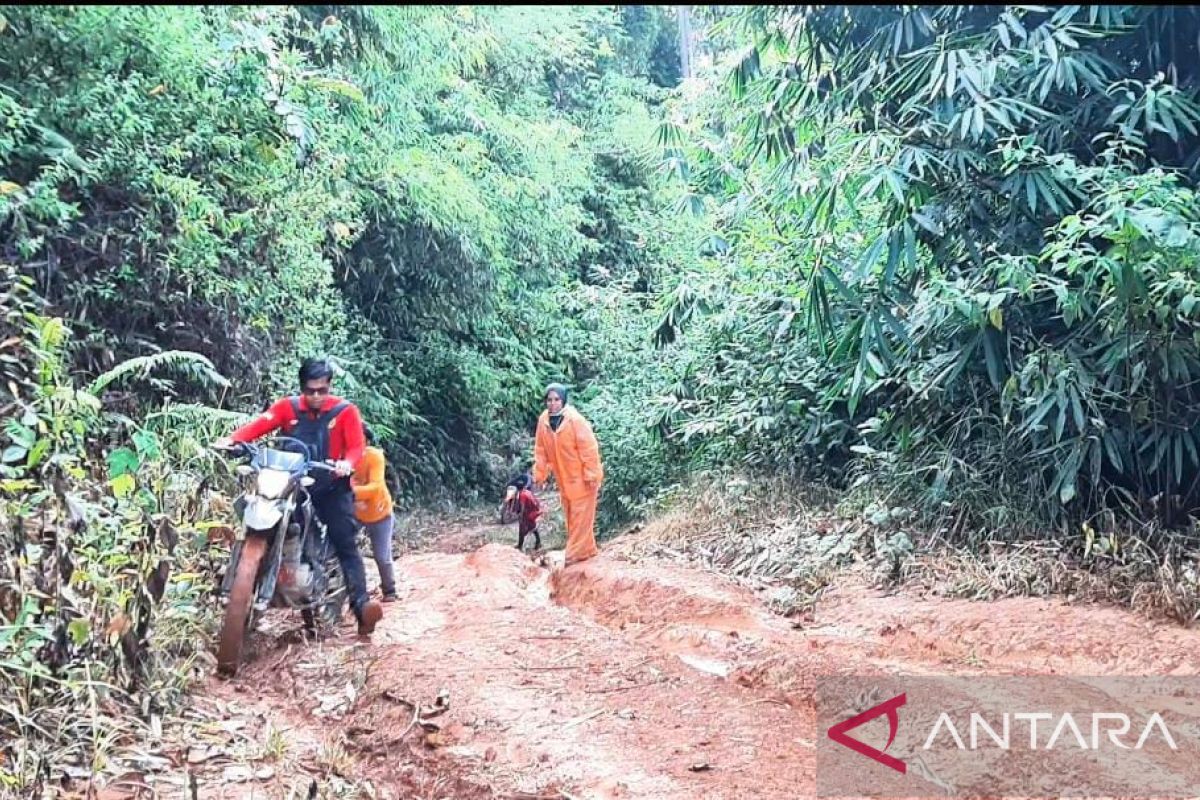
(373, 508)
(530, 510)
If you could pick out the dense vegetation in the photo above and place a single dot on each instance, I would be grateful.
(961, 258)
(943, 256)
(438, 198)
(457, 205)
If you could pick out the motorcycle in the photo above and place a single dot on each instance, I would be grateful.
(281, 557)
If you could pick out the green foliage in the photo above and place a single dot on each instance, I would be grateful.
(947, 251)
(102, 547)
(407, 190)
(956, 256)
(455, 204)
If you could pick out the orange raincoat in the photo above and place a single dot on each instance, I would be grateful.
(572, 454)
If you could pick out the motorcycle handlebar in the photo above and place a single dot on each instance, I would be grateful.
(240, 449)
(235, 450)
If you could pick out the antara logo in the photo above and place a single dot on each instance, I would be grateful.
(838, 732)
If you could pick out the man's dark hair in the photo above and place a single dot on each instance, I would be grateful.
(313, 369)
(369, 435)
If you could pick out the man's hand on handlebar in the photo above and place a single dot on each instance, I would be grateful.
(231, 448)
(336, 468)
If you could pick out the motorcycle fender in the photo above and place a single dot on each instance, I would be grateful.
(262, 515)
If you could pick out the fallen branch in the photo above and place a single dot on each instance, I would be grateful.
(566, 656)
(544, 638)
(416, 717)
(388, 694)
(624, 688)
(287, 652)
(583, 719)
(552, 669)
(440, 706)
(767, 700)
(631, 667)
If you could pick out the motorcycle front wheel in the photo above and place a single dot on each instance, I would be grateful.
(238, 611)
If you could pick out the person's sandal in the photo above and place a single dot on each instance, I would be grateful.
(372, 612)
(390, 597)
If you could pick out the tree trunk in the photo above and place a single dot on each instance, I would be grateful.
(685, 41)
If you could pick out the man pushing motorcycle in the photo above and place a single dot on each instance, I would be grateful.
(332, 429)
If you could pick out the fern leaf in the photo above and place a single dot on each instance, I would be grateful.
(191, 363)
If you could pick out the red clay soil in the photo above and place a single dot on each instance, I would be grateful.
(612, 679)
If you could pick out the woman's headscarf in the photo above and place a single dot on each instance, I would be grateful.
(558, 389)
(561, 391)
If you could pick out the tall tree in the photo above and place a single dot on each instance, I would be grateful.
(685, 41)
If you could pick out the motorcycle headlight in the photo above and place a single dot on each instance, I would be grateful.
(272, 483)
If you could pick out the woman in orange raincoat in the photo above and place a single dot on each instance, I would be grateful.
(565, 446)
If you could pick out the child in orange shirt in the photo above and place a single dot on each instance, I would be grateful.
(373, 508)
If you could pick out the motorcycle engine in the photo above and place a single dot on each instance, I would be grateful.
(295, 577)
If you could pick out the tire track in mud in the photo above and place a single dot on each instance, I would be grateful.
(613, 679)
(859, 632)
(547, 701)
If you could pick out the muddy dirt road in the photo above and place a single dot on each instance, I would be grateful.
(611, 679)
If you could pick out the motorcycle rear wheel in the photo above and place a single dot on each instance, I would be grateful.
(330, 609)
